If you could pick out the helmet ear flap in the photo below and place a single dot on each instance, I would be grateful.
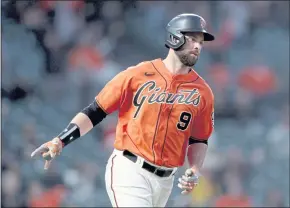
(174, 40)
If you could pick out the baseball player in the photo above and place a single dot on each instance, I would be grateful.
(165, 115)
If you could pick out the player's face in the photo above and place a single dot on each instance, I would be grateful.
(188, 54)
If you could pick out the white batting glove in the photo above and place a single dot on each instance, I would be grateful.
(188, 181)
(49, 151)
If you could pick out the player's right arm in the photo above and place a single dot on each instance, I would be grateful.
(106, 102)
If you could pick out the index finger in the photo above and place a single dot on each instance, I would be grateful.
(47, 164)
(184, 192)
(39, 150)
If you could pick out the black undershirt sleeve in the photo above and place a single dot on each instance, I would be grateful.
(194, 140)
(94, 112)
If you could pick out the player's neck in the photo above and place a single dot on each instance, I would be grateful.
(174, 65)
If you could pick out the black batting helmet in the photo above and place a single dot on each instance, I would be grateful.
(185, 23)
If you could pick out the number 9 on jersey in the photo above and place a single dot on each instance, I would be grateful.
(184, 121)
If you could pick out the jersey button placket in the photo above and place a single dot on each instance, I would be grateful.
(162, 122)
(166, 114)
(167, 106)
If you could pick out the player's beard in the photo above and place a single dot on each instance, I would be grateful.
(186, 58)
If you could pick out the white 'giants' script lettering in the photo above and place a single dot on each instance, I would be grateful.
(187, 97)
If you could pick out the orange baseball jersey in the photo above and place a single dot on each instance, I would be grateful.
(158, 111)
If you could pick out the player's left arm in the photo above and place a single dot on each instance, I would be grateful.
(203, 126)
(198, 142)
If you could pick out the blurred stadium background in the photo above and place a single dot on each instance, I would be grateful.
(57, 55)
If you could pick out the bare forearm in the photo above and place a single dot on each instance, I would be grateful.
(196, 154)
(83, 122)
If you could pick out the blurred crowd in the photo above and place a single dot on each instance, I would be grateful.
(57, 55)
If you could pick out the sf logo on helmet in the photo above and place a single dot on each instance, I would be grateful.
(202, 23)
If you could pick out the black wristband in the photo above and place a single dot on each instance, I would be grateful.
(69, 134)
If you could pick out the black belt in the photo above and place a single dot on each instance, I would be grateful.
(153, 169)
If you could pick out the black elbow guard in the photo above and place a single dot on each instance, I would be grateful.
(95, 113)
(193, 141)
